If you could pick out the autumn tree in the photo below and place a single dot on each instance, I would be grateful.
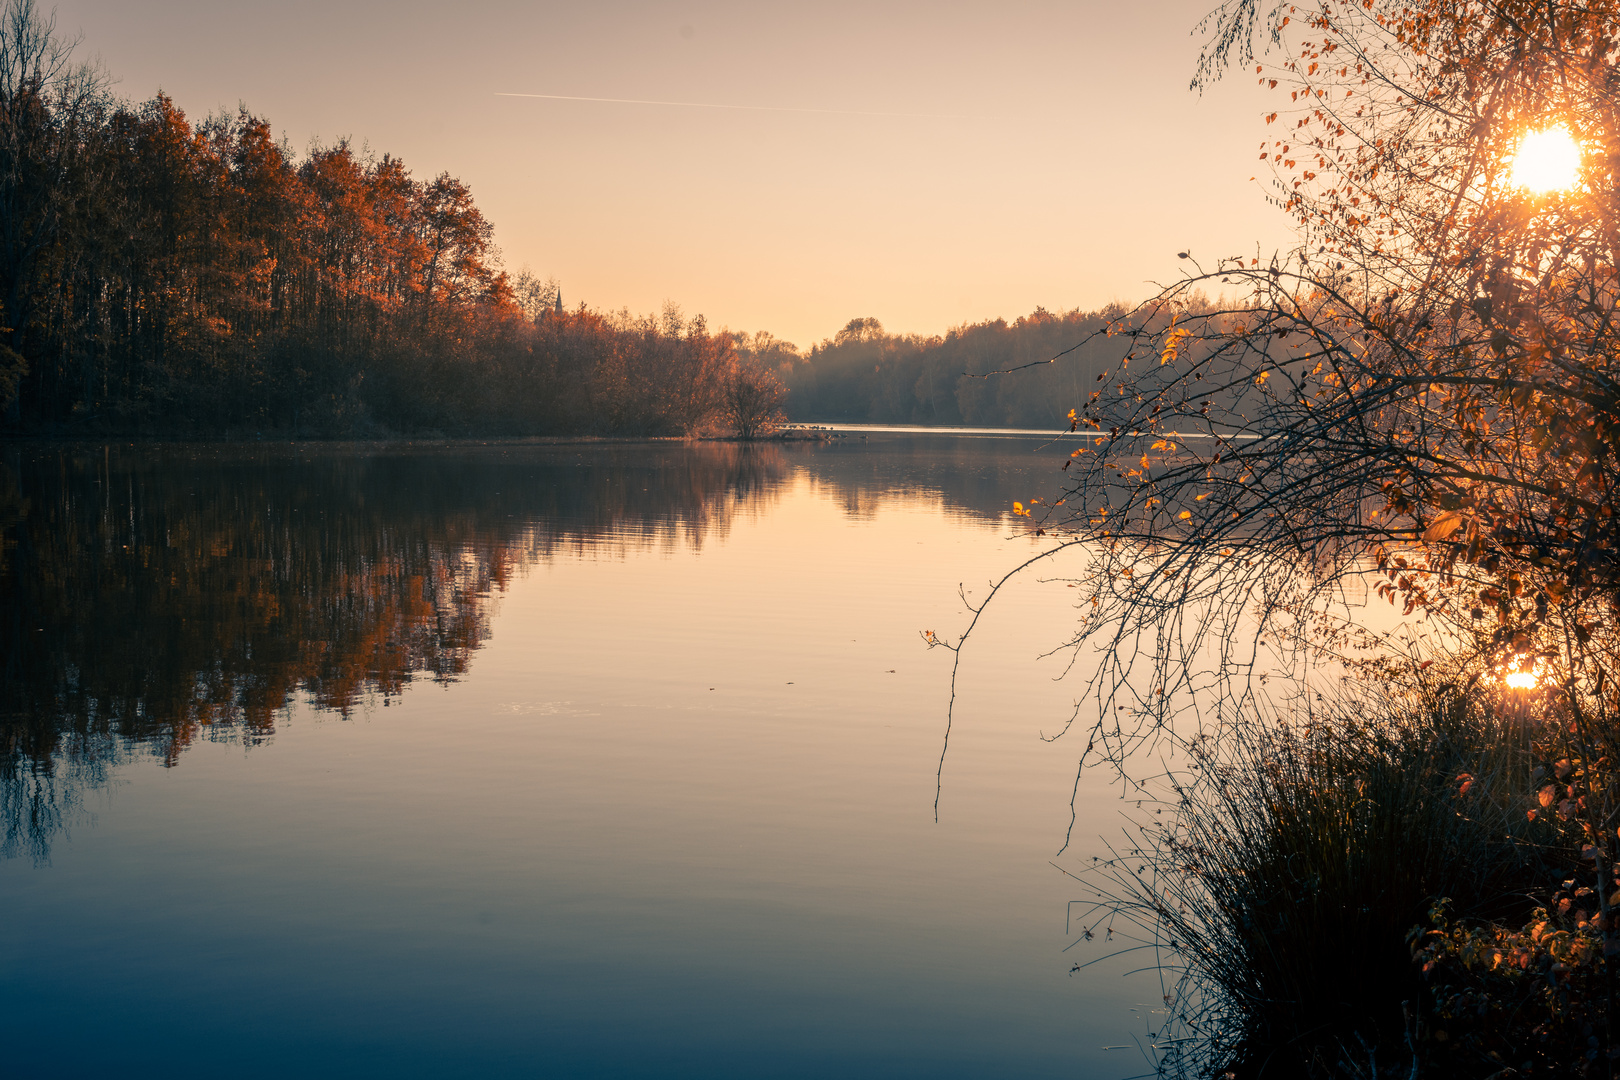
(1426, 382)
(168, 274)
(1420, 397)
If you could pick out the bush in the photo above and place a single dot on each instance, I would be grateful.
(1528, 1002)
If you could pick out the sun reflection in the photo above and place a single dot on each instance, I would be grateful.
(1547, 160)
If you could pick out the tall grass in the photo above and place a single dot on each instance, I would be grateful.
(1280, 884)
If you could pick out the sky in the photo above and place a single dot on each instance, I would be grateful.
(926, 164)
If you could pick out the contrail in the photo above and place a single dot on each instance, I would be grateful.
(745, 108)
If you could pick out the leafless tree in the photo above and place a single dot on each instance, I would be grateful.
(47, 100)
(753, 401)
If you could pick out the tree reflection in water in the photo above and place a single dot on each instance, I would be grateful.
(154, 596)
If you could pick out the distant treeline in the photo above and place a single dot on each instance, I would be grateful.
(866, 375)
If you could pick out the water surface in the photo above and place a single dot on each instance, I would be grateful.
(523, 760)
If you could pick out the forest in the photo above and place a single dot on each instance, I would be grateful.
(171, 277)
(866, 375)
(161, 275)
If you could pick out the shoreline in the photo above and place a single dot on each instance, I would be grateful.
(401, 440)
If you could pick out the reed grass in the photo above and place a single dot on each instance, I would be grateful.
(1279, 884)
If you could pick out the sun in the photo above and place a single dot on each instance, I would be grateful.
(1546, 161)
(1520, 680)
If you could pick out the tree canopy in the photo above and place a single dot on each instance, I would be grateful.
(1425, 385)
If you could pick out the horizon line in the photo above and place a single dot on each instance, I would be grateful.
(744, 108)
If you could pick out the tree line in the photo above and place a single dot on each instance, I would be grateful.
(161, 275)
(864, 374)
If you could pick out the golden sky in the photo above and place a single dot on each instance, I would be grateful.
(928, 164)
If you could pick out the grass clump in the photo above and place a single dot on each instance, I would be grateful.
(1298, 866)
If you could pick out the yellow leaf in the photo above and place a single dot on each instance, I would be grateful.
(1184, 515)
(1443, 526)
(1172, 343)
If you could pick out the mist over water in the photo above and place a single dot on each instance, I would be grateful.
(519, 760)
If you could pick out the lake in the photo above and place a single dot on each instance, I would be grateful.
(515, 760)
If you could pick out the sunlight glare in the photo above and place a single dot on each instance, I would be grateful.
(1520, 680)
(1547, 160)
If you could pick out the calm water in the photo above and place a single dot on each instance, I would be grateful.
(574, 761)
